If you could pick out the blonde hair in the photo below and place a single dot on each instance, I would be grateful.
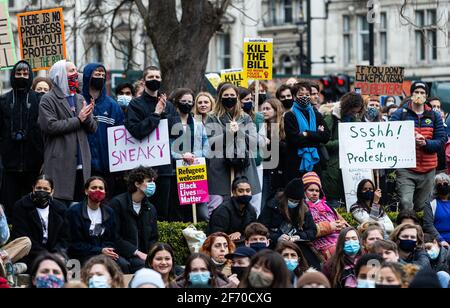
(210, 98)
(219, 109)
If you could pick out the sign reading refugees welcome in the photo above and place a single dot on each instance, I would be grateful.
(383, 145)
(192, 182)
(258, 58)
(380, 80)
(41, 37)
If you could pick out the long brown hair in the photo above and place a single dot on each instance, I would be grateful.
(117, 281)
(278, 107)
(157, 247)
(220, 110)
(302, 262)
(302, 209)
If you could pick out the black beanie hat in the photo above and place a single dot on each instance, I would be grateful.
(425, 279)
(294, 190)
(419, 85)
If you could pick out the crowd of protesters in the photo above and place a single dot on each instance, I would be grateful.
(273, 219)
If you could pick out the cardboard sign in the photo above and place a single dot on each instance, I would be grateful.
(234, 76)
(7, 50)
(41, 37)
(192, 182)
(352, 178)
(383, 145)
(380, 80)
(126, 153)
(258, 58)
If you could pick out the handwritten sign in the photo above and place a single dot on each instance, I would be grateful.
(192, 182)
(126, 153)
(380, 80)
(258, 58)
(41, 37)
(7, 50)
(352, 178)
(384, 145)
(234, 76)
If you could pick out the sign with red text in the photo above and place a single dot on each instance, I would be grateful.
(192, 182)
(380, 80)
(258, 58)
(126, 153)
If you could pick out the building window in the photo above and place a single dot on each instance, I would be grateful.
(223, 51)
(347, 40)
(288, 11)
(383, 39)
(96, 53)
(363, 39)
(288, 64)
(11, 3)
(426, 36)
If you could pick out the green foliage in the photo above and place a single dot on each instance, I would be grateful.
(171, 233)
(349, 217)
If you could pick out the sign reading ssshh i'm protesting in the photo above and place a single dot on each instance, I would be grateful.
(380, 80)
(192, 182)
(41, 37)
(258, 58)
(384, 145)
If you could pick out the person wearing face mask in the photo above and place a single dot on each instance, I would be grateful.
(439, 258)
(391, 276)
(107, 113)
(267, 270)
(305, 131)
(137, 228)
(347, 110)
(92, 225)
(368, 208)
(409, 239)
(285, 96)
(294, 259)
(414, 185)
(328, 222)
(240, 259)
(262, 96)
(234, 215)
(257, 237)
(48, 272)
(436, 218)
(189, 141)
(340, 269)
(125, 93)
(66, 119)
(373, 110)
(19, 136)
(42, 219)
(366, 269)
(101, 272)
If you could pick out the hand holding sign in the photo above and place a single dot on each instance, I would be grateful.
(189, 158)
(420, 140)
(377, 196)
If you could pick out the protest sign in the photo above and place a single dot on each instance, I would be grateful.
(258, 58)
(7, 50)
(351, 178)
(41, 37)
(192, 182)
(126, 153)
(214, 79)
(383, 145)
(234, 76)
(380, 80)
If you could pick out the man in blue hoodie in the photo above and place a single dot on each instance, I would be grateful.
(107, 113)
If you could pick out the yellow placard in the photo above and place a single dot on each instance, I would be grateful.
(191, 174)
(234, 76)
(258, 58)
(214, 79)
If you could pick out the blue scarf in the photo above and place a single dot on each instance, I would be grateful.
(310, 156)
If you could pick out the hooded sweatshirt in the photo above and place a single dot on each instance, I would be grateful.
(108, 114)
(19, 110)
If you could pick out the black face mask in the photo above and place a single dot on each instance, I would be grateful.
(41, 198)
(288, 103)
(229, 102)
(443, 189)
(244, 199)
(239, 271)
(262, 98)
(97, 83)
(20, 83)
(153, 85)
(185, 108)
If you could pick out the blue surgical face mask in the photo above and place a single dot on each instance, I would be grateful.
(258, 246)
(99, 282)
(150, 190)
(291, 264)
(199, 279)
(352, 247)
(124, 100)
(433, 253)
(366, 284)
(292, 205)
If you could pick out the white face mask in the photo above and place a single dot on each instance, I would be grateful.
(124, 100)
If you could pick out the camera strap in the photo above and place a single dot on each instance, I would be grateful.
(20, 115)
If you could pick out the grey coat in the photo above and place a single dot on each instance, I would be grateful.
(61, 130)
(219, 174)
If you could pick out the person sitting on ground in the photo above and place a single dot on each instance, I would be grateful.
(48, 272)
(147, 279)
(101, 272)
(240, 260)
(371, 235)
(257, 236)
(408, 217)
(387, 250)
(366, 270)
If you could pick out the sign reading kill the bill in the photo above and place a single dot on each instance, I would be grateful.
(258, 58)
(234, 76)
(41, 37)
(380, 80)
(7, 50)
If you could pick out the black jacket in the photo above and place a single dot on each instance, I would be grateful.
(135, 232)
(229, 219)
(295, 140)
(419, 257)
(27, 222)
(19, 112)
(141, 120)
(84, 245)
(442, 263)
(272, 217)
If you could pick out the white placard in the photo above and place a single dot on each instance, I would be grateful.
(352, 178)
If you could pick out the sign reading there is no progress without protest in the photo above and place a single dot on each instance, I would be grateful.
(41, 37)
(384, 145)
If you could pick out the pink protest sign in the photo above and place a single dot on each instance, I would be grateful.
(192, 182)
